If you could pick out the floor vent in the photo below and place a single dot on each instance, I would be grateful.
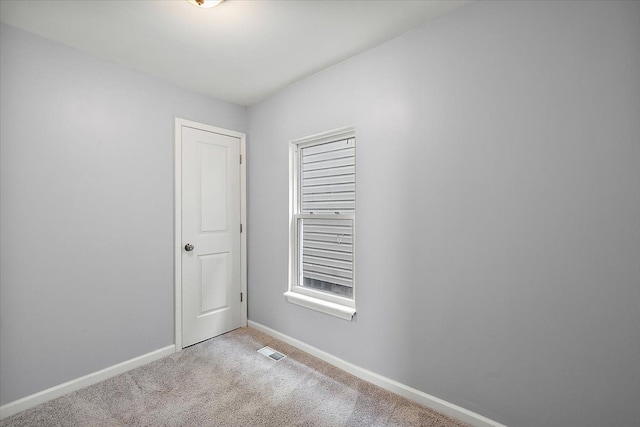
(271, 353)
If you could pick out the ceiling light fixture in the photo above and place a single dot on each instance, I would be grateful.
(205, 4)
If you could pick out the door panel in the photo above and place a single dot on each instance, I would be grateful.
(212, 161)
(211, 223)
(214, 273)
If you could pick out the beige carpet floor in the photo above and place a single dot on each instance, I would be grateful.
(225, 382)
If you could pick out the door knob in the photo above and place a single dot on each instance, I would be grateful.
(188, 247)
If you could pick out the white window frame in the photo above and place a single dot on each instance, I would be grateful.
(342, 307)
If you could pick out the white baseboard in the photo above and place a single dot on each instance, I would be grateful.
(417, 396)
(87, 380)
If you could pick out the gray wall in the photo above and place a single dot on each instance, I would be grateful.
(498, 211)
(86, 212)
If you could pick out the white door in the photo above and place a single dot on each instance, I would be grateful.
(211, 277)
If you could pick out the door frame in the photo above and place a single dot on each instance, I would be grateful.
(177, 214)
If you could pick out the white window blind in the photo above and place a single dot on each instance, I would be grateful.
(328, 179)
(327, 189)
(327, 254)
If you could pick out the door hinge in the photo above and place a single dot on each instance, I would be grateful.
(240, 296)
(241, 228)
(240, 158)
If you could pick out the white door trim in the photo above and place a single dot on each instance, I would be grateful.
(177, 213)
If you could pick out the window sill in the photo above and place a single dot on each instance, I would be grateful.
(322, 306)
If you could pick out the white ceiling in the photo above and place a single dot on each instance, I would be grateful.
(240, 51)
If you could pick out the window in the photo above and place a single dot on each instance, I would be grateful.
(323, 203)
